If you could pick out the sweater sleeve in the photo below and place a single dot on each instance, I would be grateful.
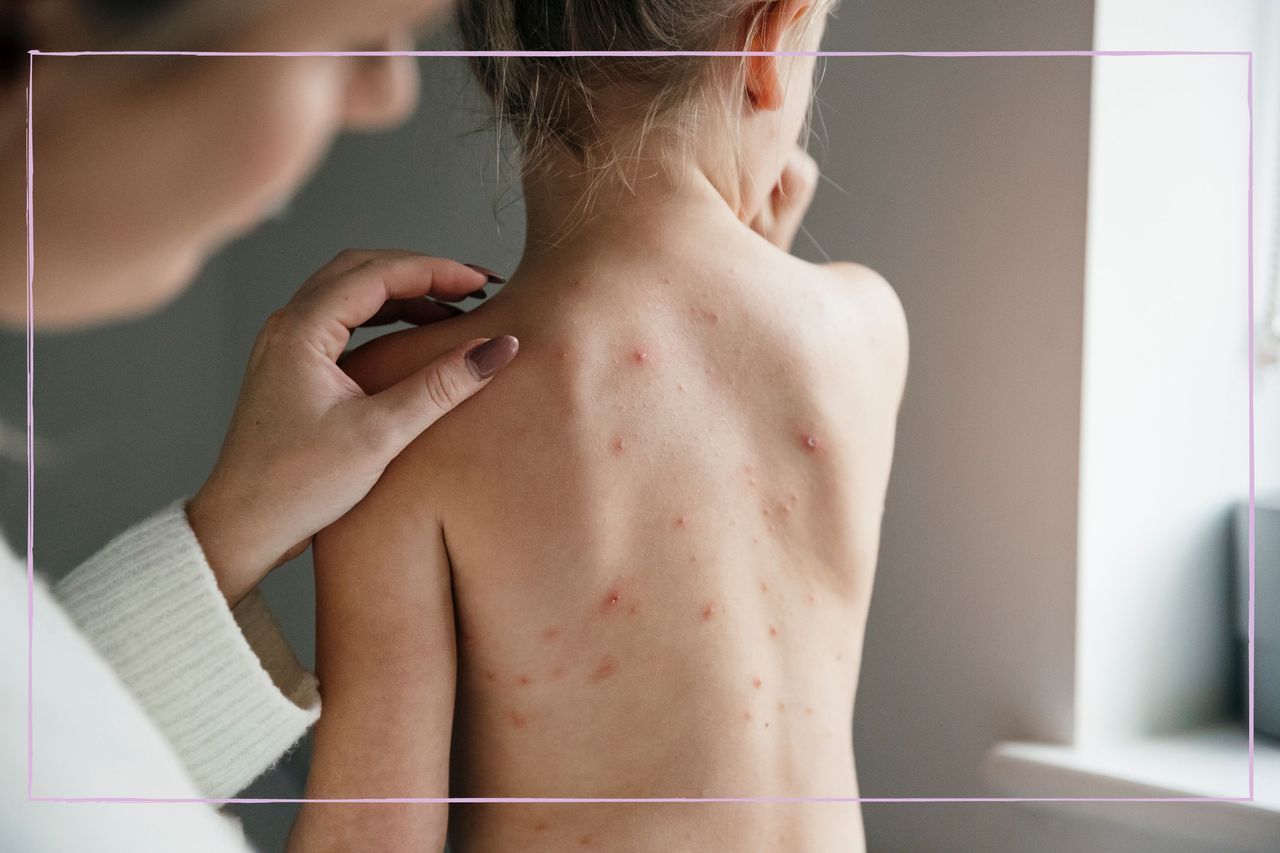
(222, 685)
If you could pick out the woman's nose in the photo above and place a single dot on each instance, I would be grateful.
(383, 90)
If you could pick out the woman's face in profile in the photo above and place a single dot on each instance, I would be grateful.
(144, 166)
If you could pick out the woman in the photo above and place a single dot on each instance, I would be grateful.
(157, 670)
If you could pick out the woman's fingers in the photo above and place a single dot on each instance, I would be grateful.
(419, 312)
(344, 262)
(349, 259)
(415, 403)
(305, 443)
(329, 310)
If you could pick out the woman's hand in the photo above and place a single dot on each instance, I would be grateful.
(305, 442)
(780, 217)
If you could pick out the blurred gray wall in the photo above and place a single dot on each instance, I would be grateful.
(962, 180)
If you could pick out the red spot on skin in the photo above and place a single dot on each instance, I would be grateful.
(518, 720)
(693, 558)
(773, 632)
(633, 609)
(619, 445)
(682, 520)
(709, 316)
(640, 356)
(586, 840)
(809, 711)
(551, 633)
(809, 442)
(490, 675)
(782, 707)
(681, 388)
(809, 599)
(746, 715)
(607, 667)
(748, 469)
(611, 599)
(524, 680)
(757, 683)
(541, 826)
(793, 499)
(765, 509)
(563, 352)
(709, 612)
(755, 540)
(558, 673)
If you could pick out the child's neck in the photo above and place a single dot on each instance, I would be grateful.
(565, 209)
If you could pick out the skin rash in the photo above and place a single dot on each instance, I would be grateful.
(647, 543)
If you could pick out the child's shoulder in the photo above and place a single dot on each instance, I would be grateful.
(864, 318)
(869, 293)
(865, 296)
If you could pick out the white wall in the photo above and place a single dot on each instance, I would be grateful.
(1166, 411)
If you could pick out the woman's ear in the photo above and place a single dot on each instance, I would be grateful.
(774, 26)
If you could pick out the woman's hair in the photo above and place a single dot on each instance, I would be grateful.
(565, 103)
(119, 25)
(127, 13)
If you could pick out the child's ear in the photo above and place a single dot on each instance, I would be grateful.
(775, 25)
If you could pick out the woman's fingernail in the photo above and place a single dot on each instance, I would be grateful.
(488, 358)
(493, 277)
(477, 294)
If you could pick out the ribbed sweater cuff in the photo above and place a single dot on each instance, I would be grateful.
(223, 686)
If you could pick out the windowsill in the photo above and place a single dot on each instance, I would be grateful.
(1210, 762)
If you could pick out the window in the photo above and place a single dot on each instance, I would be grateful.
(1164, 422)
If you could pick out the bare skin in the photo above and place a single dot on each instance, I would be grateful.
(645, 554)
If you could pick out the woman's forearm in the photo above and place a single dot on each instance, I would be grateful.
(222, 685)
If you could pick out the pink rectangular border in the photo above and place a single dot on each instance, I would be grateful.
(30, 378)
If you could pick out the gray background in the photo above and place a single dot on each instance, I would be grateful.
(962, 180)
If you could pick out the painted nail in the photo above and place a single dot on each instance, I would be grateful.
(493, 277)
(488, 358)
(477, 294)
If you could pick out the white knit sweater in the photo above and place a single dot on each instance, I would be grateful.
(144, 685)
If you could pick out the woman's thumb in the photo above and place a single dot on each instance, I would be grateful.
(418, 401)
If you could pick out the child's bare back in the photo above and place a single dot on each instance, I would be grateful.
(661, 524)
(644, 554)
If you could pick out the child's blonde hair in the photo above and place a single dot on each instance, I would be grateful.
(563, 103)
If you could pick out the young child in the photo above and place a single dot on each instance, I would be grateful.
(644, 555)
